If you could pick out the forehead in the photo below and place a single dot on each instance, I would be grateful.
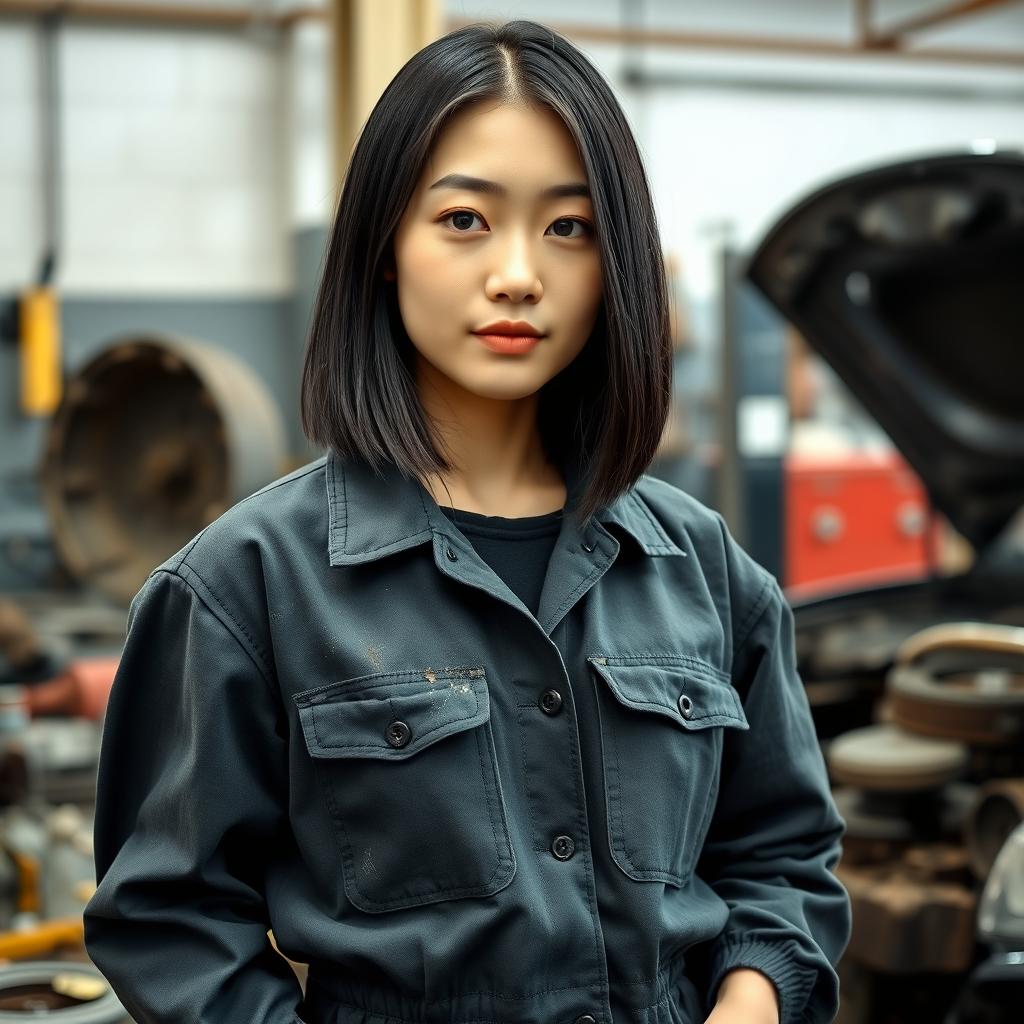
(526, 148)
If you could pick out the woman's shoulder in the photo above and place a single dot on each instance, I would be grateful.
(688, 521)
(243, 550)
(676, 509)
(702, 532)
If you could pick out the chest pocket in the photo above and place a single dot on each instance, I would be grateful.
(409, 772)
(663, 720)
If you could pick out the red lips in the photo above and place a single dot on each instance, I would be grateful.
(517, 328)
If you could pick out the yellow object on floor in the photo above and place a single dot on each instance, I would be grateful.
(41, 939)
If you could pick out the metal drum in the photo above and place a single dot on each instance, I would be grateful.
(155, 437)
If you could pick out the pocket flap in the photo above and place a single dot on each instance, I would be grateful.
(355, 717)
(657, 682)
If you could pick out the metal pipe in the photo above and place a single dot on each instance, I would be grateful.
(668, 39)
(762, 84)
(228, 17)
(208, 15)
(894, 34)
(51, 157)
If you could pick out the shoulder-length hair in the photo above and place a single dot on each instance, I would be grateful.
(607, 409)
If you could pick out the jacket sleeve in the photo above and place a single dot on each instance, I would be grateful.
(775, 834)
(191, 790)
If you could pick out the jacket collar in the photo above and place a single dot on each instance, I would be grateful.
(373, 515)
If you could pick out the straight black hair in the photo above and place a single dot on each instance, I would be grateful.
(607, 409)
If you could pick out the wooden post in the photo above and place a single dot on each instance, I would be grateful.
(370, 41)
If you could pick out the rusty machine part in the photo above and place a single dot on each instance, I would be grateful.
(912, 915)
(881, 826)
(895, 789)
(997, 811)
(961, 681)
(884, 758)
(155, 437)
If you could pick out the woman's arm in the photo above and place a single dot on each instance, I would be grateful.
(775, 835)
(191, 792)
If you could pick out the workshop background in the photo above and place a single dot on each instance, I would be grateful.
(840, 189)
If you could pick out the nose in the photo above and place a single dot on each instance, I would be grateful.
(515, 275)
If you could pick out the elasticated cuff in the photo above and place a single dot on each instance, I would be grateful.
(777, 962)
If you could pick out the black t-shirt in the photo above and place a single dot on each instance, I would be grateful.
(518, 549)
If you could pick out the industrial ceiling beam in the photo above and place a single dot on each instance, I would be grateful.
(669, 38)
(199, 16)
(869, 44)
(895, 35)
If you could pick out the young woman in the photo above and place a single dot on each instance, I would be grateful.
(483, 722)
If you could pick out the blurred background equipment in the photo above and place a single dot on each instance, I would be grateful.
(58, 992)
(907, 279)
(155, 438)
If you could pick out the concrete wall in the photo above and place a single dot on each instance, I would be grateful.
(194, 194)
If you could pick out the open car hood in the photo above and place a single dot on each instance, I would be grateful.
(909, 280)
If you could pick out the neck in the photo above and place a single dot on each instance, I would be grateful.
(498, 462)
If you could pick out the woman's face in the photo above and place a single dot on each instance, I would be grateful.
(467, 255)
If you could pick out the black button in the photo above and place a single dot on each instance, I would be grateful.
(586, 1019)
(451, 554)
(685, 706)
(398, 734)
(587, 547)
(550, 702)
(563, 847)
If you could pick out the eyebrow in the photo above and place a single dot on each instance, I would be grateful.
(471, 184)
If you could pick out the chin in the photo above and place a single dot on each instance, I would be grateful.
(506, 390)
(505, 380)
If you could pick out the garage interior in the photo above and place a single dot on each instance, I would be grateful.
(840, 188)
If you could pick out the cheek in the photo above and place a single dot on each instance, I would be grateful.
(422, 261)
(587, 289)
(427, 286)
(425, 271)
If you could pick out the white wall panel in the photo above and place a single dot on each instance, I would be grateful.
(190, 155)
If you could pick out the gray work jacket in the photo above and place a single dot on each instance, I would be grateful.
(334, 721)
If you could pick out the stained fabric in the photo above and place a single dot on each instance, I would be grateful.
(335, 721)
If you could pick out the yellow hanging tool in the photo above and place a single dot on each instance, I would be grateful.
(39, 344)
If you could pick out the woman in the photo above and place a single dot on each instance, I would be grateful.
(483, 722)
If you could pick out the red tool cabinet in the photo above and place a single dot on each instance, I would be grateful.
(855, 520)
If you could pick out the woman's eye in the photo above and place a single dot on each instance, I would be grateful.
(579, 223)
(463, 216)
(466, 217)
